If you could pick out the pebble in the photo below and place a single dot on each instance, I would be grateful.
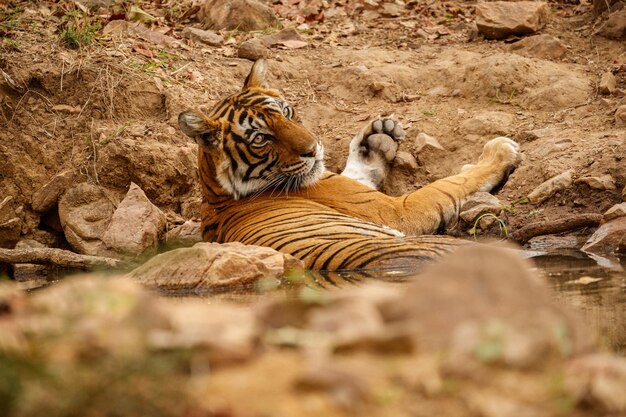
(405, 161)
(608, 83)
(423, 140)
(252, 49)
(204, 36)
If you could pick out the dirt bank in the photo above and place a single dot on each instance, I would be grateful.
(107, 111)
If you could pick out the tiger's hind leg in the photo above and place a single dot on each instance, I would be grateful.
(372, 150)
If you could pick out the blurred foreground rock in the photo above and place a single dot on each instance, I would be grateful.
(213, 266)
(480, 322)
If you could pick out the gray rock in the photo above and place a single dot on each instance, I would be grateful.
(489, 123)
(479, 204)
(423, 140)
(405, 161)
(540, 46)
(205, 36)
(608, 238)
(615, 26)
(618, 210)
(137, 225)
(187, 234)
(500, 19)
(605, 182)
(252, 49)
(550, 187)
(47, 196)
(620, 116)
(244, 15)
(213, 265)
(608, 83)
(85, 212)
(531, 135)
(289, 34)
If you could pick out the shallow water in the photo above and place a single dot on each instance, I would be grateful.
(597, 293)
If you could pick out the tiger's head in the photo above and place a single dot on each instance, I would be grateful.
(255, 140)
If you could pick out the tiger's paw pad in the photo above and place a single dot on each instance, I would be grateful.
(379, 137)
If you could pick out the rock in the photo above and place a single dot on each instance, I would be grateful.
(598, 379)
(137, 225)
(552, 242)
(624, 194)
(47, 196)
(405, 161)
(471, 215)
(618, 210)
(187, 234)
(608, 238)
(204, 36)
(488, 123)
(23, 272)
(620, 116)
(212, 266)
(289, 34)
(127, 160)
(615, 26)
(120, 28)
(252, 49)
(550, 187)
(64, 108)
(85, 212)
(479, 204)
(531, 135)
(10, 224)
(500, 19)
(605, 182)
(244, 15)
(608, 83)
(540, 46)
(423, 140)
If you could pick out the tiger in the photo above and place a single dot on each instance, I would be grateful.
(263, 182)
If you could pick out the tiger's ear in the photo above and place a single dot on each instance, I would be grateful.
(206, 133)
(256, 78)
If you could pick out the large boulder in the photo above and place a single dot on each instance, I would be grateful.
(85, 212)
(500, 19)
(615, 26)
(608, 238)
(244, 15)
(213, 266)
(137, 225)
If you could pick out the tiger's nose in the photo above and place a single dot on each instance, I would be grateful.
(310, 153)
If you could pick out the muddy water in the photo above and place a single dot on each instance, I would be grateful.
(597, 293)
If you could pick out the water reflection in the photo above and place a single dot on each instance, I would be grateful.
(599, 294)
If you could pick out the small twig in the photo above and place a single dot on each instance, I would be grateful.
(548, 227)
(59, 257)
